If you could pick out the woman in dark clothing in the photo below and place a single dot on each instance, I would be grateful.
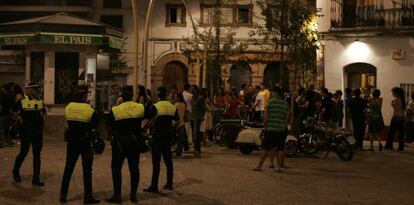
(358, 108)
(197, 116)
(375, 121)
(398, 119)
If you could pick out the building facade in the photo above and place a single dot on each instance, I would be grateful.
(170, 29)
(367, 44)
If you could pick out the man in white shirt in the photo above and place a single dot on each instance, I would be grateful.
(259, 106)
(188, 98)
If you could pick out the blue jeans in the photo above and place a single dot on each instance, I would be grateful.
(197, 135)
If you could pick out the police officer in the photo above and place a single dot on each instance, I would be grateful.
(30, 112)
(125, 127)
(81, 120)
(162, 117)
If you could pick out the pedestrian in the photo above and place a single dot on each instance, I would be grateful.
(81, 120)
(259, 105)
(172, 96)
(182, 141)
(232, 105)
(188, 98)
(219, 105)
(398, 119)
(325, 112)
(375, 120)
(6, 104)
(31, 113)
(115, 94)
(275, 121)
(410, 119)
(348, 102)
(162, 118)
(340, 107)
(127, 142)
(197, 116)
(358, 108)
(207, 123)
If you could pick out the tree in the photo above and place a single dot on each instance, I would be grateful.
(287, 28)
(213, 42)
(283, 28)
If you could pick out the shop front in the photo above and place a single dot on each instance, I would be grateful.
(61, 52)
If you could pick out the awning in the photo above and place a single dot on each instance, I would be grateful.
(60, 28)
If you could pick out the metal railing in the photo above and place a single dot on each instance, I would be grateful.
(371, 13)
(46, 2)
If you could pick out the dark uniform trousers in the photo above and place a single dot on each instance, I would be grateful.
(125, 147)
(75, 148)
(161, 146)
(34, 138)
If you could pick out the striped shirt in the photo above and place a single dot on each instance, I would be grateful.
(278, 109)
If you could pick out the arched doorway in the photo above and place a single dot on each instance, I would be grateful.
(272, 75)
(240, 74)
(175, 74)
(360, 75)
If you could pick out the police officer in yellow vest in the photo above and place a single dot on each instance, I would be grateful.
(30, 112)
(163, 117)
(125, 127)
(81, 119)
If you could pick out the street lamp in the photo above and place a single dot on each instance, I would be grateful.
(146, 35)
(136, 35)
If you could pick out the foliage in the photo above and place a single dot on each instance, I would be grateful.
(287, 29)
(118, 61)
(216, 41)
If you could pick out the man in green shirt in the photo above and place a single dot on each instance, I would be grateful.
(275, 120)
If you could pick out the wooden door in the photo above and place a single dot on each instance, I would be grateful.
(175, 74)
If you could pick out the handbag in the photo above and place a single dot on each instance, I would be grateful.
(144, 143)
(98, 144)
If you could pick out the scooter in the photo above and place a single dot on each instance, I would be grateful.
(250, 139)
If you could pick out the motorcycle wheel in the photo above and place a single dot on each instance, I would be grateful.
(246, 148)
(308, 144)
(291, 148)
(344, 150)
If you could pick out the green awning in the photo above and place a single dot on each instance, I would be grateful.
(60, 28)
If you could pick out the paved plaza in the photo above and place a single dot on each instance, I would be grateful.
(223, 176)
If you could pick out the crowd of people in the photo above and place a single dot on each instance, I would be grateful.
(188, 117)
(10, 94)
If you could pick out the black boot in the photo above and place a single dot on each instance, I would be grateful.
(62, 198)
(168, 186)
(37, 182)
(90, 200)
(116, 199)
(151, 189)
(16, 176)
(133, 198)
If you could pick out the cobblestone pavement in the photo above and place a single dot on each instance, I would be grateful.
(223, 176)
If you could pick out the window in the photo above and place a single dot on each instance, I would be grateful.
(244, 15)
(175, 15)
(113, 20)
(112, 4)
(231, 15)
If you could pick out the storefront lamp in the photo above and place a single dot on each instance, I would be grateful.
(358, 51)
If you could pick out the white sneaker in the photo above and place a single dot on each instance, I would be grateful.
(278, 169)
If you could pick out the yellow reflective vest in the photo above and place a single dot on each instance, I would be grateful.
(165, 108)
(80, 112)
(31, 104)
(128, 110)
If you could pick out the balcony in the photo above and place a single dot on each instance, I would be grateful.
(45, 3)
(352, 15)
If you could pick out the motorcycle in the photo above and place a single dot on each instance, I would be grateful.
(319, 136)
